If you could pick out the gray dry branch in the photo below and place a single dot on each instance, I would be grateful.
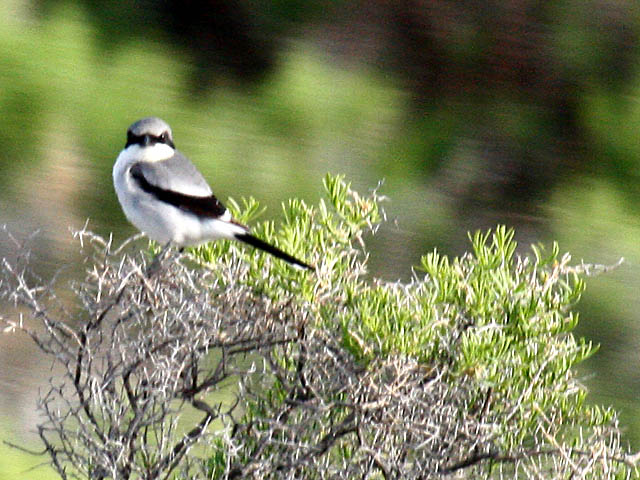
(394, 419)
(136, 356)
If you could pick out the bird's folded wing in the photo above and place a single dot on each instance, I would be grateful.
(207, 206)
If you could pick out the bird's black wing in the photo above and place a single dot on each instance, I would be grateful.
(208, 206)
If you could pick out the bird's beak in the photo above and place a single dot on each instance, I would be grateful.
(146, 140)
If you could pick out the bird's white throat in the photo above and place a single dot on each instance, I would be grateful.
(149, 153)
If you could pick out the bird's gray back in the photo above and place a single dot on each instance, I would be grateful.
(176, 173)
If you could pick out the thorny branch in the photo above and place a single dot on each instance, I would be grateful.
(140, 352)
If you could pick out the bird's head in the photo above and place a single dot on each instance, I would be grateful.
(148, 132)
(150, 139)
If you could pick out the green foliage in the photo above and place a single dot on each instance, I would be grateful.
(493, 319)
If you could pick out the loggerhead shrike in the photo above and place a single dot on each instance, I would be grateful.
(165, 196)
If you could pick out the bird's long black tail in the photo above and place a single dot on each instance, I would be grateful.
(275, 251)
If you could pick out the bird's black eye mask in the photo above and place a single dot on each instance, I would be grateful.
(148, 139)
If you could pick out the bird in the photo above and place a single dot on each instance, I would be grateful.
(163, 194)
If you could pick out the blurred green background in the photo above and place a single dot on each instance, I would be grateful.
(523, 113)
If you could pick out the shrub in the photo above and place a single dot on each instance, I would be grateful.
(226, 363)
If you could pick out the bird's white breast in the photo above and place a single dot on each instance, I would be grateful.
(147, 214)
